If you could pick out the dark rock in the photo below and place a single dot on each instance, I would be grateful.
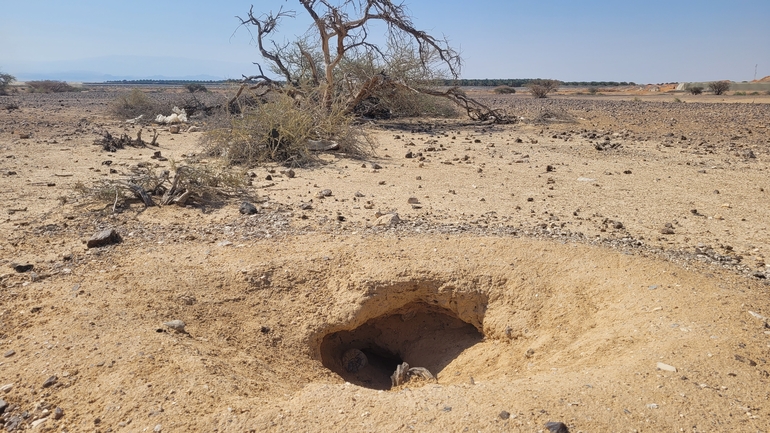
(9, 353)
(618, 225)
(21, 268)
(759, 275)
(58, 413)
(247, 208)
(3, 405)
(103, 238)
(504, 415)
(376, 166)
(50, 381)
(268, 177)
(667, 231)
(556, 427)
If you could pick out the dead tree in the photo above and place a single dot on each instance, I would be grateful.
(338, 37)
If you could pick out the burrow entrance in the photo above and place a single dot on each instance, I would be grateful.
(418, 333)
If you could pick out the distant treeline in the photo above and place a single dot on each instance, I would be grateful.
(521, 82)
(486, 82)
(171, 82)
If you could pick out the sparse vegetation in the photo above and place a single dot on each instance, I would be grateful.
(719, 87)
(192, 184)
(51, 86)
(134, 104)
(196, 87)
(593, 90)
(541, 88)
(5, 81)
(504, 90)
(695, 90)
(739, 94)
(281, 129)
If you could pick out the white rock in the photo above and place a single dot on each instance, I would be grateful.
(6, 388)
(666, 367)
(36, 423)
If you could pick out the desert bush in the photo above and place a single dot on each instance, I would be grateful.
(400, 102)
(280, 130)
(196, 87)
(719, 87)
(135, 104)
(5, 81)
(51, 86)
(504, 90)
(541, 88)
(739, 93)
(593, 90)
(695, 90)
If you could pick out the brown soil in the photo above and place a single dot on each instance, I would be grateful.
(546, 271)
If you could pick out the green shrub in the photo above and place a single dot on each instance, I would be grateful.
(739, 93)
(5, 81)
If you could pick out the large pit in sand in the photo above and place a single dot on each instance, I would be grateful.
(419, 334)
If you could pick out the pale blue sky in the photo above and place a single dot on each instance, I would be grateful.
(643, 41)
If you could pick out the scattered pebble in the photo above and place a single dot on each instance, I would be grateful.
(247, 208)
(103, 238)
(666, 367)
(176, 325)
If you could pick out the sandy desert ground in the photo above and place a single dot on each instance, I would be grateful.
(601, 263)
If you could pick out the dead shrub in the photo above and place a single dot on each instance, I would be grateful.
(134, 104)
(719, 87)
(504, 90)
(280, 129)
(541, 88)
(190, 184)
(50, 86)
(695, 90)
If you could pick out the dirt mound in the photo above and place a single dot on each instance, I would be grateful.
(764, 80)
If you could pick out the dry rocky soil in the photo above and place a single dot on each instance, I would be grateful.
(601, 263)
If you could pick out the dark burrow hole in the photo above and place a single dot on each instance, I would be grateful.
(420, 334)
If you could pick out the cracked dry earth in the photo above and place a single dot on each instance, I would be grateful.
(601, 263)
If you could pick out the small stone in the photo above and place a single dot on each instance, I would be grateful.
(376, 166)
(9, 353)
(193, 129)
(247, 208)
(12, 424)
(556, 427)
(104, 237)
(666, 367)
(652, 406)
(760, 275)
(3, 405)
(618, 225)
(268, 177)
(504, 415)
(324, 193)
(413, 200)
(50, 381)
(21, 268)
(36, 423)
(6, 387)
(176, 325)
(388, 220)
(58, 413)
(409, 155)
(354, 360)
(359, 194)
(174, 129)
(157, 428)
(667, 231)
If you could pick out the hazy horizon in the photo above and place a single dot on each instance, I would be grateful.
(642, 42)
